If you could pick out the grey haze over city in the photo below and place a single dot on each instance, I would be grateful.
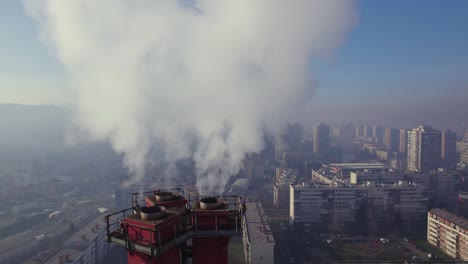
(200, 80)
(321, 131)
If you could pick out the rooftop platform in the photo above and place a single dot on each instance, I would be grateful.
(256, 222)
(154, 237)
(457, 220)
(76, 245)
(357, 166)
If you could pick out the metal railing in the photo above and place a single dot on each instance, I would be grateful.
(186, 225)
(135, 196)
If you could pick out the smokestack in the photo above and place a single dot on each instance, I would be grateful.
(210, 203)
(152, 212)
(164, 196)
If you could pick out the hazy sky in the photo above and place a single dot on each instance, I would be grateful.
(203, 79)
(399, 49)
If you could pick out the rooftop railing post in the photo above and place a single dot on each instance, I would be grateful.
(235, 216)
(107, 228)
(216, 224)
(151, 243)
(175, 235)
(127, 244)
(196, 223)
(159, 240)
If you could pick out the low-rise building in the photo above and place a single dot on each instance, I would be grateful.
(398, 164)
(86, 245)
(259, 244)
(343, 169)
(284, 178)
(239, 186)
(448, 232)
(382, 154)
(284, 174)
(281, 196)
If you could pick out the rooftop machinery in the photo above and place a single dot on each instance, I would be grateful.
(175, 226)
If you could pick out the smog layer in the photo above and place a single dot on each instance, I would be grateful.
(200, 80)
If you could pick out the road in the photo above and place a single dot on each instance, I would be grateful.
(416, 252)
(24, 245)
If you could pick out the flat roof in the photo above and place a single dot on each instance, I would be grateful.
(357, 166)
(240, 182)
(71, 245)
(395, 185)
(258, 229)
(459, 221)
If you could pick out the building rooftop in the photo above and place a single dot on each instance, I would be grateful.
(459, 221)
(357, 166)
(74, 246)
(240, 183)
(366, 185)
(398, 172)
(240, 186)
(286, 176)
(257, 225)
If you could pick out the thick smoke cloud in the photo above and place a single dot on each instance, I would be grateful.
(198, 79)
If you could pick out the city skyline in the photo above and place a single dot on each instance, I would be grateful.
(331, 131)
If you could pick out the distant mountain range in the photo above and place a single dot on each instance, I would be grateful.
(46, 126)
(33, 126)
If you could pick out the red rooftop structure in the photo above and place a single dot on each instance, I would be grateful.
(175, 226)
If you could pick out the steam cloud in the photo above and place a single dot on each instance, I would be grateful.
(198, 79)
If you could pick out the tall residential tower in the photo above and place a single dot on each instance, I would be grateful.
(322, 144)
(392, 139)
(449, 150)
(424, 149)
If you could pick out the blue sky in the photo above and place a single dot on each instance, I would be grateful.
(29, 72)
(402, 50)
(410, 50)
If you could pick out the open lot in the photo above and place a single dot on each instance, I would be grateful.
(369, 251)
(438, 254)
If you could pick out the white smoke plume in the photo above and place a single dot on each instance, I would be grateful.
(199, 79)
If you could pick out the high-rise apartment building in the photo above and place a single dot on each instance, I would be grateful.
(321, 139)
(403, 140)
(359, 131)
(424, 149)
(377, 133)
(290, 140)
(340, 207)
(442, 186)
(347, 133)
(449, 149)
(368, 132)
(392, 139)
